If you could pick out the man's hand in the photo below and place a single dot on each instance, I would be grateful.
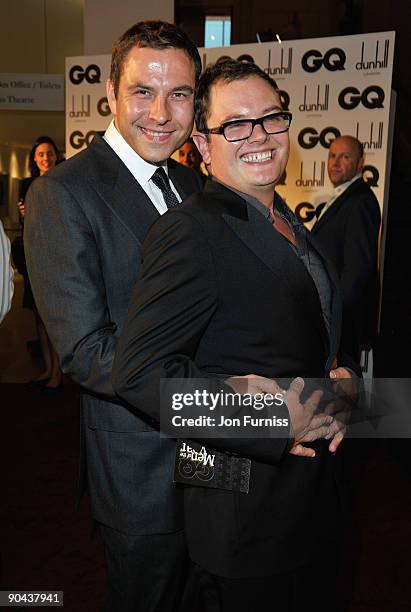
(306, 425)
(253, 384)
(346, 394)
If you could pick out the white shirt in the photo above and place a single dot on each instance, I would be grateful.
(139, 168)
(337, 192)
(6, 275)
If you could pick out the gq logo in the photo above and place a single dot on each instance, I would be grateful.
(285, 99)
(305, 212)
(333, 60)
(371, 175)
(103, 108)
(245, 57)
(372, 97)
(308, 138)
(78, 139)
(92, 74)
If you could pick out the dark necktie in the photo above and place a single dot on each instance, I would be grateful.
(160, 180)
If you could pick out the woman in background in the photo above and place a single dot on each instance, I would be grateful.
(43, 156)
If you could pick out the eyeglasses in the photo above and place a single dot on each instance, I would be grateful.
(241, 129)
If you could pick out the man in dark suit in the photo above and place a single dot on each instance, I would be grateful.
(85, 223)
(347, 229)
(231, 284)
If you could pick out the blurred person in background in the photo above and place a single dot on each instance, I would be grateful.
(190, 156)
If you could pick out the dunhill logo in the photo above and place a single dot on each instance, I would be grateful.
(318, 105)
(85, 108)
(314, 181)
(371, 143)
(379, 62)
(281, 69)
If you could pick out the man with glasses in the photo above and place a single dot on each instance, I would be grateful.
(232, 284)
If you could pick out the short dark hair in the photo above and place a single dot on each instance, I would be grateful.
(226, 70)
(33, 167)
(155, 35)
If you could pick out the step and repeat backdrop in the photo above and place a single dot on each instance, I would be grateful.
(333, 86)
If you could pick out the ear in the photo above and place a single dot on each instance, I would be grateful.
(112, 102)
(360, 164)
(202, 145)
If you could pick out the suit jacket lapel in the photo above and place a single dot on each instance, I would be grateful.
(120, 191)
(270, 247)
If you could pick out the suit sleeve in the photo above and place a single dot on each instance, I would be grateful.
(172, 304)
(63, 265)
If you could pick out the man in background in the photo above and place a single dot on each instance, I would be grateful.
(85, 223)
(189, 155)
(347, 229)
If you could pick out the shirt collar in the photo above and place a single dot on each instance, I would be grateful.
(341, 188)
(139, 167)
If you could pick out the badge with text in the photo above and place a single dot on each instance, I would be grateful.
(195, 465)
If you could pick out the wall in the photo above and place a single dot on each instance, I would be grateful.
(293, 20)
(36, 36)
(118, 16)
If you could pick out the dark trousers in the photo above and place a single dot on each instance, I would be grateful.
(308, 589)
(147, 573)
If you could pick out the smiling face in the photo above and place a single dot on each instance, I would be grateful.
(153, 110)
(255, 165)
(45, 157)
(344, 160)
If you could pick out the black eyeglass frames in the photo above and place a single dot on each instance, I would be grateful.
(241, 129)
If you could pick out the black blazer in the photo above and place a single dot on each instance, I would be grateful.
(85, 222)
(222, 293)
(348, 234)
